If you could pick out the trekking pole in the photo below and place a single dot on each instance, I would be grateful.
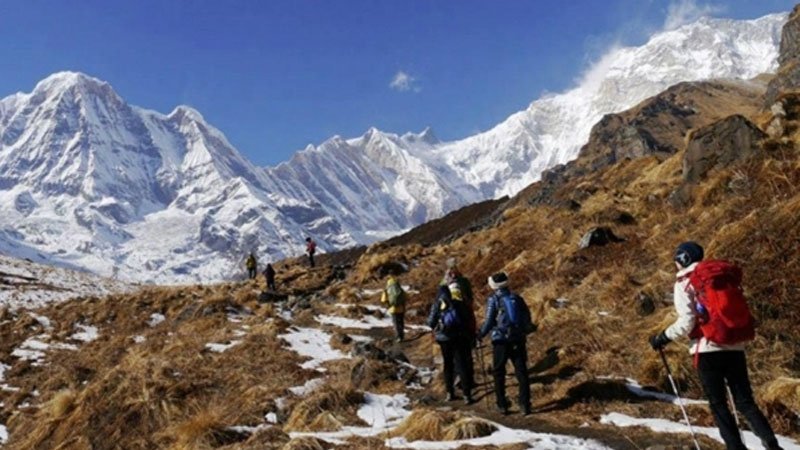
(678, 396)
(735, 412)
(479, 351)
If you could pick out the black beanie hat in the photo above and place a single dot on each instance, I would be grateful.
(689, 253)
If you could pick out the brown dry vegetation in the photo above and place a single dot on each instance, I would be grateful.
(170, 391)
(748, 212)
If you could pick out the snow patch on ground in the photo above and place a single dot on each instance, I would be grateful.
(505, 436)
(156, 319)
(43, 321)
(383, 411)
(3, 434)
(139, 339)
(88, 333)
(31, 350)
(364, 323)
(311, 343)
(307, 388)
(221, 348)
(635, 388)
(668, 426)
(370, 292)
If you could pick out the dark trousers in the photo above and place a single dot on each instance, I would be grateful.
(271, 283)
(311, 259)
(518, 354)
(715, 368)
(455, 355)
(251, 273)
(399, 325)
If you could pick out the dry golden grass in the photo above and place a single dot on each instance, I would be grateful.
(438, 425)
(424, 424)
(325, 410)
(468, 428)
(306, 443)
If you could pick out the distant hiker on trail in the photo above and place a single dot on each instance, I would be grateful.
(311, 248)
(713, 313)
(395, 297)
(447, 320)
(461, 289)
(508, 319)
(269, 274)
(251, 264)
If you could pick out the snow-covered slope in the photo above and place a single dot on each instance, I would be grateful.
(513, 154)
(87, 180)
(26, 285)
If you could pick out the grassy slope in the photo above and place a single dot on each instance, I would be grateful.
(171, 392)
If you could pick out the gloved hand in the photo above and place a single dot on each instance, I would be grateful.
(659, 341)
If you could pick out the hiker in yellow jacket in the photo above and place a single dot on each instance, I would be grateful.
(395, 297)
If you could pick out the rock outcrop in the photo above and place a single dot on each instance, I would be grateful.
(719, 144)
(788, 77)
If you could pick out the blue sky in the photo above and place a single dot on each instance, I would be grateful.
(277, 75)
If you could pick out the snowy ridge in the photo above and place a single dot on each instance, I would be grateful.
(88, 181)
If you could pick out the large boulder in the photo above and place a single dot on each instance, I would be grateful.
(788, 76)
(598, 236)
(719, 144)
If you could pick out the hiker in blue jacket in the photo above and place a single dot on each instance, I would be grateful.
(508, 340)
(447, 319)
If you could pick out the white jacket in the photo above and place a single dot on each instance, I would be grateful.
(685, 306)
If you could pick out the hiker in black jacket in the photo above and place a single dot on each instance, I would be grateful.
(447, 320)
(269, 274)
(508, 342)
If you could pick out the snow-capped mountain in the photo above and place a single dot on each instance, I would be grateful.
(88, 181)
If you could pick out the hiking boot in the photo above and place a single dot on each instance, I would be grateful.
(526, 410)
(398, 340)
(503, 408)
(468, 399)
(450, 397)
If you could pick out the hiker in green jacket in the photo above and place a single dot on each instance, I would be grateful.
(251, 264)
(395, 297)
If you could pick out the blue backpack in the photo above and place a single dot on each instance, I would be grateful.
(518, 321)
(451, 318)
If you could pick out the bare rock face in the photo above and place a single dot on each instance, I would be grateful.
(788, 77)
(718, 145)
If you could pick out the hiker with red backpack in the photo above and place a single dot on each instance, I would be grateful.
(713, 313)
(311, 249)
(447, 319)
(508, 319)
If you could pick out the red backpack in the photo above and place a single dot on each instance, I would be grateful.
(718, 288)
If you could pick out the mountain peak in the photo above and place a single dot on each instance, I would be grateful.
(61, 81)
(186, 112)
(427, 135)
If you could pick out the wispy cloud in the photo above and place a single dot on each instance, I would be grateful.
(682, 12)
(404, 82)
